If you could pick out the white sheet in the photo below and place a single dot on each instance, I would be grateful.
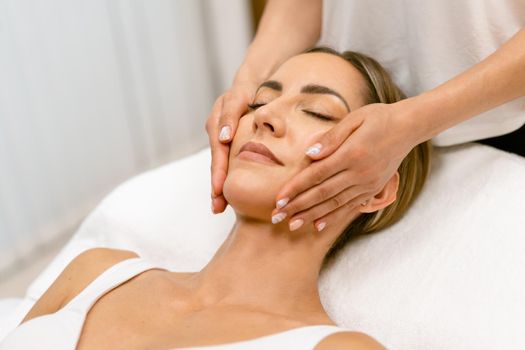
(450, 275)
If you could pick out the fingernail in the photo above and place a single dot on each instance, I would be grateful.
(321, 226)
(225, 133)
(314, 150)
(278, 218)
(282, 202)
(294, 225)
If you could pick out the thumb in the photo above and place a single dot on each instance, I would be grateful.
(333, 138)
(233, 108)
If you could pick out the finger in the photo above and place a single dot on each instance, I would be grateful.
(325, 207)
(336, 215)
(310, 176)
(331, 140)
(219, 167)
(219, 204)
(317, 194)
(213, 118)
(233, 108)
(219, 151)
(363, 202)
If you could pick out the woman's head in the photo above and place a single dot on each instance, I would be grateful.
(307, 95)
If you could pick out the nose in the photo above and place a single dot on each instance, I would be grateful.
(267, 119)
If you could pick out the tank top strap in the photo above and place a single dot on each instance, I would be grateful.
(307, 338)
(302, 338)
(108, 280)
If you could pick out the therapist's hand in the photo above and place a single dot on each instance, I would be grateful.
(355, 160)
(221, 126)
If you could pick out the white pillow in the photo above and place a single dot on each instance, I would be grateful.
(449, 275)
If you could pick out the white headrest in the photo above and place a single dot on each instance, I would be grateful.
(449, 275)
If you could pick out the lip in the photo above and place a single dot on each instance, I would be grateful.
(259, 148)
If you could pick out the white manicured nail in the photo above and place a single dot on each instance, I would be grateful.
(282, 202)
(225, 133)
(277, 218)
(294, 225)
(321, 226)
(314, 150)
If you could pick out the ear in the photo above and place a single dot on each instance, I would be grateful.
(384, 198)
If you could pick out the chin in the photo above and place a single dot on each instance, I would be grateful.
(251, 193)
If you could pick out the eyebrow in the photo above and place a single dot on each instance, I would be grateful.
(272, 84)
(307, 89)
(319, 89)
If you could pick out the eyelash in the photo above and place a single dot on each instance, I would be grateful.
(254, 106)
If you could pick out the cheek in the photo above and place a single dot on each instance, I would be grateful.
(251, 188)
(307, 137)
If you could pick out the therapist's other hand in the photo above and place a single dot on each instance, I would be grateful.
(221, 126)
(351, 164)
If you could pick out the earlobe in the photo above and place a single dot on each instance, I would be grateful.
(385, 197)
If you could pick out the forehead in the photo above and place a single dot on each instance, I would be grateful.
(322, 69)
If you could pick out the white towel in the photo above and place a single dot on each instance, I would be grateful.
(449, 275)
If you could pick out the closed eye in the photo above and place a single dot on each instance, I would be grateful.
(318, 115)
(254, 106)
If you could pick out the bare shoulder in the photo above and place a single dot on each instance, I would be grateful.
(349, 341)
(77, 275)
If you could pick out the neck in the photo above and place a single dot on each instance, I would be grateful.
(266, 267)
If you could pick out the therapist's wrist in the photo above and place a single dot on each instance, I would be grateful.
(263, 58)
(255, 70)
(259, 63)
(250, 74)
(416, 115)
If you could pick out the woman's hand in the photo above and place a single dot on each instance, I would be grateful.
(221, 126)
(352, 163)
(286, 29)
(364, 150)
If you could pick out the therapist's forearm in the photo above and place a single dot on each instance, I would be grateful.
(497, 79)
(287, 27)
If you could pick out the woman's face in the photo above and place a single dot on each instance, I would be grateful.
(306, 96)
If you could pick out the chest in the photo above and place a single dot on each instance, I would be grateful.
(150, 314)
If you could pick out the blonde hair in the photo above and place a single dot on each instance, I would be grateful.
(413, 170)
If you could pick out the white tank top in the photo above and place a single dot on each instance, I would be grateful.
(424, 43)
(61, 330)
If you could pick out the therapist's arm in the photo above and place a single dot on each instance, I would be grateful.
(497, 79)
(368, 146)
(287, 27)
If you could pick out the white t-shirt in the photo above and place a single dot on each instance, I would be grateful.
(424, 43)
